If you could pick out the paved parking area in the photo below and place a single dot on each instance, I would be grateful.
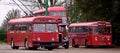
(4, 48)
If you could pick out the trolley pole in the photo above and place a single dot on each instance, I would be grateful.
(46, 7)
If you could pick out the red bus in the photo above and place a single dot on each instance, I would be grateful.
(56, 11)
(34, 32)
(90, 34)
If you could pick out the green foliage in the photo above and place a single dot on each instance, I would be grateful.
(51, 3)
(94, 10)
(10, 15)
(14, 13)
(91, 10)
(2, 35)
(1, 42)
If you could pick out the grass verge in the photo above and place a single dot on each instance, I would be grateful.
(2, 42)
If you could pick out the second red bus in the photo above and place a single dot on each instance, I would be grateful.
(87, 34)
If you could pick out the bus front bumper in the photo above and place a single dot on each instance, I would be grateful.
(46, 44)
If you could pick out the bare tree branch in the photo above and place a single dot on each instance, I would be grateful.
(55, 1)
(51, 3)
(62, 2)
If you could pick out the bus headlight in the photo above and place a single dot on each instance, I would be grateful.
(38, 39)
(109, 43)
(53, 39)
(96, 39)
(108, 38)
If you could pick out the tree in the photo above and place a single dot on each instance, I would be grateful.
(41, 3)
(94, 10)
(14, 13)
(90, 10)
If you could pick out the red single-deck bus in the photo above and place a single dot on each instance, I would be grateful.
(56, 11)
(90, 34)
(34, 32)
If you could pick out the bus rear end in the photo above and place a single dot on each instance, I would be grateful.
(77, 35)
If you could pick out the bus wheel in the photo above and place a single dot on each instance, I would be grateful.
(86, 44)
(50, 48)
(55, 46)
(12, 44)
(26, 45)
(66, 46)
(33, 48)
(73, 44)
(16, 47)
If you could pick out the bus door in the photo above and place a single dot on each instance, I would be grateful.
(63, 36)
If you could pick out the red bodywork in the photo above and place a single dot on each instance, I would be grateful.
(34, 38)
(56, 9)
(89, 38)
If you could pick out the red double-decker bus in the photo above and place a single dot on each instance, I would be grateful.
(60, 14)
(90, 34)
(34, 32)
(55, 11)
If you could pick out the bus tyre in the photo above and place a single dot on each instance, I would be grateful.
(50, 48)
(66, 46)
(86, 44)
(12, 44)
(33, 48)
(26, 45)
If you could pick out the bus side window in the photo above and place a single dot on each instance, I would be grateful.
(90, 30)
(30, 27)
(16, 27)
(11, 27)
(24, 27)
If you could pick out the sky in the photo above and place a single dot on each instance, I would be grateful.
(4, 8)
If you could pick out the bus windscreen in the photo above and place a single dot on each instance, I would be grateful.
(45, 28)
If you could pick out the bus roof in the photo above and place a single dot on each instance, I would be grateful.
(29, 19)
(55, 8)
(89, 23)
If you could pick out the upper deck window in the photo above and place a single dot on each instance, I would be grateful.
(62, 13)
(53, 13)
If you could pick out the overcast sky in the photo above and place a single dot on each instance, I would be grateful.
(4, 8)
